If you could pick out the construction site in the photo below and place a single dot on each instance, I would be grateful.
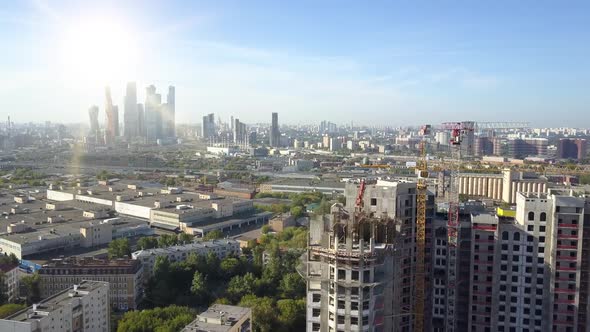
(386, 261)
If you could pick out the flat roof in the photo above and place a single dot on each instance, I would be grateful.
(184, 247)
(55, 302)
(211, 319)
(223, 224)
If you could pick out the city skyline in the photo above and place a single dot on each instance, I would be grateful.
(395, 62)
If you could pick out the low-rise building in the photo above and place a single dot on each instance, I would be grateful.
(123, 275)
(67, 236)
(81, 307)
(222, 318)
(222, 248)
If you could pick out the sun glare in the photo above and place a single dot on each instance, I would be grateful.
(99, 50)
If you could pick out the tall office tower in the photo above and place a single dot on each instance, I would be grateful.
(168, 114)
(93, 114)
(239, 132)
(83, 307)
(209, 126)
(130, 118)
(569, 148)
(530, 272)
(231, 123)
(275, 134)
(153, 114)
(355, 261)
(112, 117)
(140, 121)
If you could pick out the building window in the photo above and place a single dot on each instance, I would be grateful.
(373, 202)
(531, 215)
(516, 236)
(543, 216)
(504, 235)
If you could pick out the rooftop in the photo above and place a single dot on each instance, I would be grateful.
(189, 246)
(89, 262)
(218, 318)
(55, 302)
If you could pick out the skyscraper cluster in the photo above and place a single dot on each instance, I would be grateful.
(154, 121)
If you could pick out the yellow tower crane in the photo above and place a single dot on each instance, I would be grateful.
(422, 173)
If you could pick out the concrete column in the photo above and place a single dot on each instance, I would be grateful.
(471, 185)
(475, 186)
(482, 187)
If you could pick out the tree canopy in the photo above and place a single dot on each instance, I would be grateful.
(168, 319)
(119, 248)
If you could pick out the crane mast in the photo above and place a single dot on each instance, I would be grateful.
(422, 173)
(458, 131)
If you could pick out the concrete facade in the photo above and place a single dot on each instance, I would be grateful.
(81, 307)
(123, 275)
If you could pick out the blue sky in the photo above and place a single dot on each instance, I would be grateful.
(371, 62)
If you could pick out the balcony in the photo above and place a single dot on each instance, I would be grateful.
(564, 301)
(567, 236)
(563, 268)
(567, 258)
(574, 226)
(562, 246)
(565, 290)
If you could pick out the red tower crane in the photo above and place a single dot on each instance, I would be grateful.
(459, 130)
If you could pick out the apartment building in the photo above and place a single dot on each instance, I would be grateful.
(124, 276)
(222, 248)
(529, 273)
(356, 280)
(81, 307)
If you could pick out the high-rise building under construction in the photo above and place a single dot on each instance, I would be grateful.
(359, 264)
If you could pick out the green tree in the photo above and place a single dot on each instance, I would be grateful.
(119, 248)
(263, 312)
(167, 240)
(213, 235)
(230, 266)
(222, 300)
(297, 212)
(197, 262)
(147, 242)
(185, 238)
(212, 261)
(242, 285)
(292, 314)
(198, 286)
(168, 319)
(32, 292)
(10, 308)
(161, 266)
(265, 229)
(292, 286)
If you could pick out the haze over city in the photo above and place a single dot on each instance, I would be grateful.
(394, 63)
